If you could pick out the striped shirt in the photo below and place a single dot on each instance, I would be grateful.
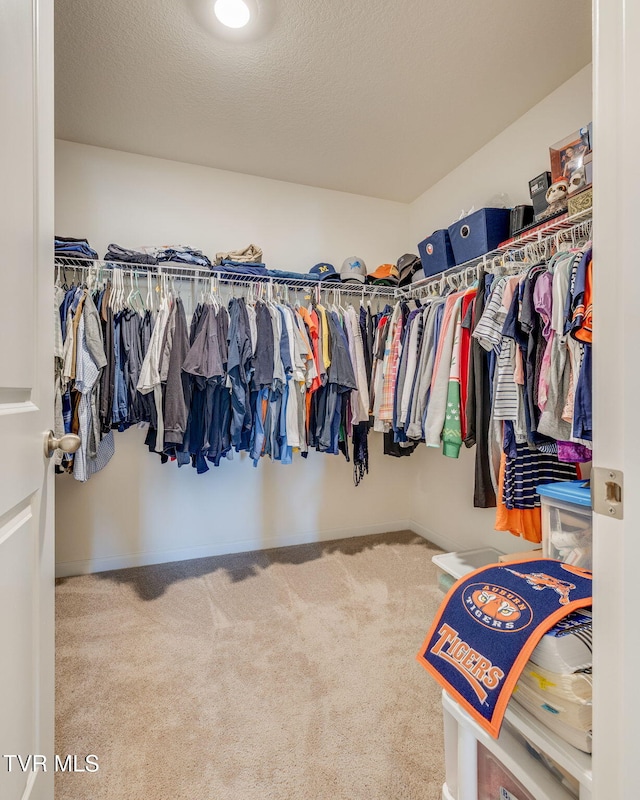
(488, 331)
(527, 470)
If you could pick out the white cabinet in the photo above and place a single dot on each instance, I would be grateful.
(462, 753)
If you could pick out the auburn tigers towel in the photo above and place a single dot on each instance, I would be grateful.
(489, 624)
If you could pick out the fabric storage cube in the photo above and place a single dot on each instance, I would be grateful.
(567, 527)
(495, 782)
(479, 233)
(436, 253)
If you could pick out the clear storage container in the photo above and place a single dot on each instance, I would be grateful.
(453, 566)
(567, 527)
(495, 782)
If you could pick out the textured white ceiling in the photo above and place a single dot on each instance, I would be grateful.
(376, 97)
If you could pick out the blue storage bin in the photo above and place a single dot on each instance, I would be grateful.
(479, 233)
(576, 492)
(567, 528)
(436, 253)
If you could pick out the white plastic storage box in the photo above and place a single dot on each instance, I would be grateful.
(477, 766)
(495, 782)
(567, 526)
(453, 566)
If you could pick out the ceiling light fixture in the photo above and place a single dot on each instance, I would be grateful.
(232, 13)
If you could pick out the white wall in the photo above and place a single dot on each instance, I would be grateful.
(137, 510)
(508, 162)
(443, 488)
(110, 196)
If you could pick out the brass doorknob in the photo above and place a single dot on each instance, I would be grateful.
(68, 443)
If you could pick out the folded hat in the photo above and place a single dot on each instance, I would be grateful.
(353, 270)
(407, 265)
(326, 272)
(385, 275)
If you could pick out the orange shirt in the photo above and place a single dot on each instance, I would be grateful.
(525, 522)
(585, 332)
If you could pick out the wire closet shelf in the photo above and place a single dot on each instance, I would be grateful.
(99, 271)
(518, 253)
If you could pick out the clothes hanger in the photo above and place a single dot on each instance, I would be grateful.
(495, 265)
(341, 307)
(130, 301)
(215, 293)
(136, 300)
(149, 298)
(558, 256)
(113, 296)
(469, 274)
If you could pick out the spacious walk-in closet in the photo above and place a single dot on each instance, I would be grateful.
(317, 386)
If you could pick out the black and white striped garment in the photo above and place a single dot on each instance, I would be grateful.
(529, 469)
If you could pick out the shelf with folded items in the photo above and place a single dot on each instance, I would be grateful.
(181, 271)
(519, 249)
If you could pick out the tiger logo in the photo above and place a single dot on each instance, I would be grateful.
(495, 606)
(541, 581)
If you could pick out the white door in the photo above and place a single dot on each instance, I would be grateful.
(616, 353)
(26, 396)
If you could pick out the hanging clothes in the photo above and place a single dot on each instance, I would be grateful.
(80, 361)
(504, 365)
(271, 379)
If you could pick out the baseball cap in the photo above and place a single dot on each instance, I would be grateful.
(353, 270)
(385, 275)
(327, 272)
(407, 265)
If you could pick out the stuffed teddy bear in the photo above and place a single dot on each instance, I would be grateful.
(557, 197)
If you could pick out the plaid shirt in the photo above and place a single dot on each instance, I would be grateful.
(391, 368)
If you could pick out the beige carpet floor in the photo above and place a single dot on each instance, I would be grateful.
(286, 674)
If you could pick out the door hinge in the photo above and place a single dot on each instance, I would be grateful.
(607, 492)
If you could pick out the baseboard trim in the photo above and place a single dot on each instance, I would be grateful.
(445, 542)
(66, 569)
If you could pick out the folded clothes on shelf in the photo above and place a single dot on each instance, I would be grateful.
(183, 255)
(298, 276)
(117, 253)
(73, 248)
(234, 268)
